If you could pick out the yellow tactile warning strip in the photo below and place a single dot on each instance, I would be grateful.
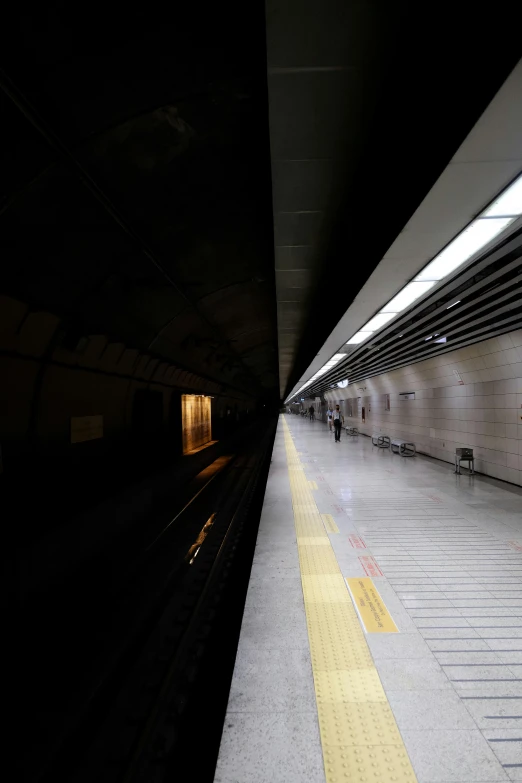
(359, 736)
(313, 484)
(329, 523)
(372, 609)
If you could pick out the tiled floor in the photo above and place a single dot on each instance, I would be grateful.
(450, 552)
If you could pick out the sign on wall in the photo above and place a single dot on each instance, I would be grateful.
(195, 421)
(407, 396)
(457, 375)
(85, 428)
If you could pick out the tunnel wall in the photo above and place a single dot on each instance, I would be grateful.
(469, 397)
(44, 383)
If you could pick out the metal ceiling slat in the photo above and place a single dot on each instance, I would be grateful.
(388, 339)
(509, 325)
(470, 271)
(466, 325)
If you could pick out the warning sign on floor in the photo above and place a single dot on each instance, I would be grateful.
(372, 609)
(370, 565)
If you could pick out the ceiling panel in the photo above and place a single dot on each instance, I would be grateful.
(302, 184)
(294, 257)
(315, 114)
(296, 229)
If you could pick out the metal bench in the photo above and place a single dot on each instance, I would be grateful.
(465, 455)
(352, 430)
(403, 447)
(382, 441)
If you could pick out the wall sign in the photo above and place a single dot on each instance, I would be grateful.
(407, 396)
(195, 421)
(457, 375)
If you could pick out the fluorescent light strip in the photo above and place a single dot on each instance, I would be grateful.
(328, 366)
(359, 337)
(509, 203)
(488, 225)
(469, 242)
(505, 209)
(378, 321)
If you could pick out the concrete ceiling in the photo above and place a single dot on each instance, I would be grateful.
(367, 104)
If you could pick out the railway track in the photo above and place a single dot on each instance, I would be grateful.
(180, 602)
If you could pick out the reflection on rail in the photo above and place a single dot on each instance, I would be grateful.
(196, 546)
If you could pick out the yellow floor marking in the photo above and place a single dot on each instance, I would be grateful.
(359, 735)
(312, 540)
(372, 609)
(329, 523)
(313, 484)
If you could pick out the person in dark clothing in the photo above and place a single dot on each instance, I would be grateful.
(338, 420)
(311, 411)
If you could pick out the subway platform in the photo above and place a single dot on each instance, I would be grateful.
(382, 631)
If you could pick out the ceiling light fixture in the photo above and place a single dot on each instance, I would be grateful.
(453, 305)
(359, 337)
(409, 294)
(491, 222)
(336, 358)
(469, 242)
(488, 225)
(508, 204)
(378, 321)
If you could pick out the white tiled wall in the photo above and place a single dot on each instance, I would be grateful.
(484, 412)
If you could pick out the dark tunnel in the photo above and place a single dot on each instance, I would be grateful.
(138, 343)
(179, 238)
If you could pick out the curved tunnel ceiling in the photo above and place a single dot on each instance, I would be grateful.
(136, 183)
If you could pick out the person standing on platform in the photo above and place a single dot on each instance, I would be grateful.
(329, 415)
(338, 420)
(311, 411)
